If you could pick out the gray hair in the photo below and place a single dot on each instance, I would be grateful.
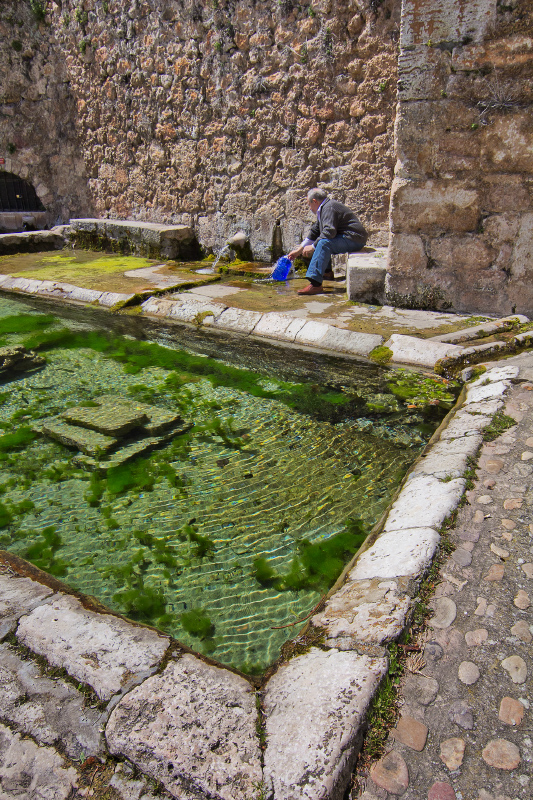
(317, 194)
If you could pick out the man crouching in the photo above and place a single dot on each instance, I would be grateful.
(336, 230)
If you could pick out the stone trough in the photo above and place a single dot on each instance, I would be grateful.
(201, 730)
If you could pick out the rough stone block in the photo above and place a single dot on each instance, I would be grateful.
(406, 255)
(423, 23)
(424, 502)
(80, 295)
(507, 143)
(396, 554)
(48, 710)
(423, 72)
(110, 299)
(366, 284)
(420, 352)
(157, 419)
(516, 49)
(18, 596)
(24, 765)
(371, 611)
(192, 728)
(157, 307)
(315, 706)
(433, 206)
(196, 312)
(104, 651)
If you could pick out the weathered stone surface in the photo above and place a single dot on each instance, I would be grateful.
(366, 284)
(390, 773)
(522, 600)
(314, 707)
(495, 573)
(465, 424)
(397, 553)
(88, 441)
(468, 672)
(501, 754)
(357, 344)
(432, 206)
(521, 629)
(511, 711)
(239, 320)
(476, 394)
(516, 667)
(192, 728)
(441, 791)
(312, 333)
(275, 326)
(369, 611)
(419, 689)
(424, 503)
(104, 651)
(18, 596)
(411, 732)
(18, 359)
(115, 421)
(32, 772)
(48, 710)
(419, 352)
(460, 713)
(445, 612)
(477, 637)
(452, 752)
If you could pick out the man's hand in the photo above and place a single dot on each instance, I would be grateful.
(308, 250)
(295, 253)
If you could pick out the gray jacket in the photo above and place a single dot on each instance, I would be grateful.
(336, 219)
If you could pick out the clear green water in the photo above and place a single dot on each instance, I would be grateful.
(252, 479)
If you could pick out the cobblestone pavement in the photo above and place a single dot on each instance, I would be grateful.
(466, 722)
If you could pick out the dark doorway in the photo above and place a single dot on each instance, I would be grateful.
(17, 194)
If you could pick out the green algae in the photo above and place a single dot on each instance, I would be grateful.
(315, 565)
(18, 439)
(42, 552)
(6, 517)
(381, 354)
(419, 390)
(197, 623)
(25, 323)
(75, 268)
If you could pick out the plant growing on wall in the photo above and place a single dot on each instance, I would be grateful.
(38, 9)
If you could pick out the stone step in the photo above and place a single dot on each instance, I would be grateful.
(365, 275)
(144, 238)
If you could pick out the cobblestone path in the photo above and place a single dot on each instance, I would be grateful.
(466, 725)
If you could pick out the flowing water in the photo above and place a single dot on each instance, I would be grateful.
(211, 536)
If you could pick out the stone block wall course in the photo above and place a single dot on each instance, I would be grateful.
(217, 115)
(462, 198)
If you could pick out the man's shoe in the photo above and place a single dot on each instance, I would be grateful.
(311, 289)
(329, 276)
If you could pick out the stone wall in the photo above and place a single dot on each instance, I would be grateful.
(219, 115)
(38, 137)
(462, 198)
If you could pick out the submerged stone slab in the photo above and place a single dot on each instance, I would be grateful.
(369, 611)
(90, 442)
(238, 320)
(18, 596)
(30, 772)
(192, 728)
(129, 451)
(424, 502)
(50, 711)
(157, 419)
(112, 420)
(104, 651)
(419, 352)
(397, 553)
(315, 706)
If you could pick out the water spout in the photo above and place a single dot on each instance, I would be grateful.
(211, 270)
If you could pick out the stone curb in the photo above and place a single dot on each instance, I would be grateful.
(325, 693)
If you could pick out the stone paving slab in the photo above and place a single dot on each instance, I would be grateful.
(106, 652)
(314, 706)
(32, 772)
(397, 553)
(365, 612)
(193, 728)
(50, 711)
(425, 502)
(18, 596)
(419, 352)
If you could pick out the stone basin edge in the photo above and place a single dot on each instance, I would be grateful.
(309, 715)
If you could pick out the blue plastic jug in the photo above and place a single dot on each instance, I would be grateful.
(282, 269)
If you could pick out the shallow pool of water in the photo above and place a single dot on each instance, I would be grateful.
(206, 537)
